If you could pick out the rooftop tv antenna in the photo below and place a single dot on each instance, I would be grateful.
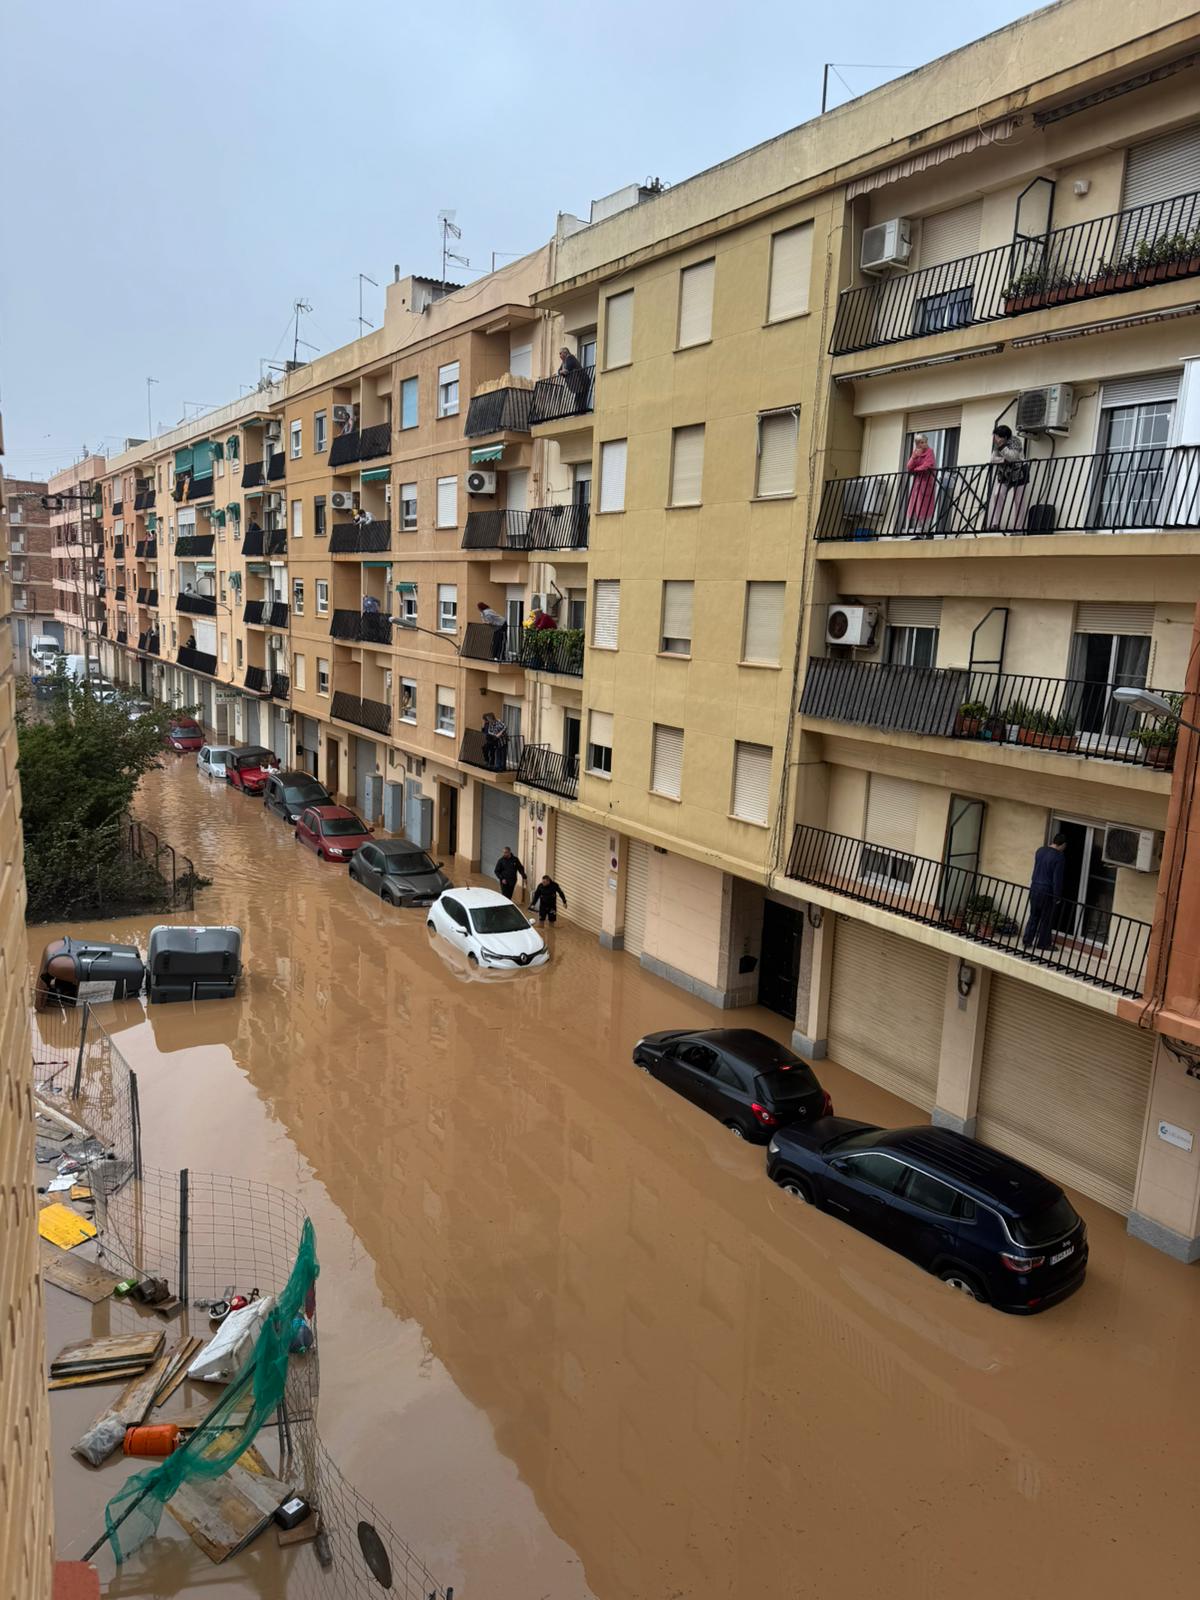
(298, 306)
(362, 321)
(450, 230)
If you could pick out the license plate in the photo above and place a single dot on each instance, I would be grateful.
(1062, 1255)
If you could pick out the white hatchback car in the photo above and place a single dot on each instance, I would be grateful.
(211, 758)
(488, 929)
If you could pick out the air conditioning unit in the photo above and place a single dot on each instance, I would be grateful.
(886, 244)
(285, 714)
(481, 483)
(342, 500)
(275, 641)
(274, 502)
(864, 497)
(1045, 410)
(343, 414)
(852, 625)
(274, 430)
(1137, 848)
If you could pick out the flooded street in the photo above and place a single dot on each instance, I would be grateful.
(573, 1342)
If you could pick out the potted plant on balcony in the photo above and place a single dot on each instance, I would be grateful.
(1175, 255)
(971, 720)
(1026, 292)
(1158, 745)
(1045, 731)
(979, 915)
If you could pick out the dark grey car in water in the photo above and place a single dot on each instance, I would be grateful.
(399, 872)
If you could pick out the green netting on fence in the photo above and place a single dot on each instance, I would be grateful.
(133, 1515)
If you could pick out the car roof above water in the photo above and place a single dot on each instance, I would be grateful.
(756, 1049)
(1006, 1183)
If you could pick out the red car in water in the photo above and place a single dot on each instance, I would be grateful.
(334, 832)
(184, 733)
(246, 769)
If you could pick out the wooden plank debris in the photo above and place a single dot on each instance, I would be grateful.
(76, 1275)
(222, 1515)
(130, 1408)
(111, 1350)
(184, 1354)
(81, 1380)
(64, 1227)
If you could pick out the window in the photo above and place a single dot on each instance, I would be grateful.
(618, 330)
(599, 753)
(297, 519)
(930, 1194)
(912, 632)
(320, 432)
(763, 627)
(676, 637)
(447, 608)
(296, 435)
(224, 647)
(408, 699)
(880, 1171)
(696, 303)
(408, 606)
(447, 401)
(791, 272)
(318, 516)
(408, 403)
(408, 507)
(240, 652)
(322, 675)
(778, 432)
(687, 465)
(890, 832)
(322, 597)
(298, 596)
(606, 608)
(612, 475)
(298, 666)
(447, 503)
(751, 781)
(666, 768)
(444, 710)
(935, 313)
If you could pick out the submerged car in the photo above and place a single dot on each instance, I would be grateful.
(747, 1080)
(334, 832)
(399, 872)
(211, 759)
(247, 769)
(982, 1222)
(488, 929)
(288, 793)
(184, 733)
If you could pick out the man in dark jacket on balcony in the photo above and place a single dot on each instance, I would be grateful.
(1045, 892)
(507, 870)
(574, 377)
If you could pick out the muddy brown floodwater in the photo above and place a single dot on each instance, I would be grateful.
(574, 1344)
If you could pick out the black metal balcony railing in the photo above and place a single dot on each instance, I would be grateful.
(1090, 942)
(343, 449)
(118, 549)
(276, 467)
(1112, 492)
(482, 642)
(188, 488)
(141, 596)
(544, 528)
(275, 615)
(122, 636)
(543, 768)
(359, 538)
(1108, 255)
(557, 650)
(253, 542)
(361, 627)
(152, 598)
(196, 660)
(281, 686)
(366, 444)
(256, 680)
(120, 591)
(198, 605)
(139, 550)
(1066, 715)
(104, 628)
(151, 550)
(372, 714)
(252, 613)
(276, 542)
(499, 411)
(502, 755)
(192, 546)
(118, 508)
(139, 500)
(252, 475)
(555, 398)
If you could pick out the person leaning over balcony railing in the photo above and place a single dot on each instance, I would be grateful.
(574, 377)
(499, 629)
(1010, 477)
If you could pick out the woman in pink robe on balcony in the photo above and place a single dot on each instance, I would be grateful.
(921, 467)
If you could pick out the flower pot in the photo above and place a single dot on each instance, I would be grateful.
(1013, 304)
(1158, 755)
(967, 727)
(1063, 742)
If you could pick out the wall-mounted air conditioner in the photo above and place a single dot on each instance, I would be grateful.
(1139, 849)
(342, 500)
(1046, 410)
(343, 414)
(851, 625)
(481, 482)
(864, 497)
(285, 714)
(886, 244)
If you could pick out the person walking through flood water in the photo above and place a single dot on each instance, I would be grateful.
(507, 870)
(545, 897)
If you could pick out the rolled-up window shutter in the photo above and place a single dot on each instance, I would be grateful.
(445, 695)
(1163, 168)
(892, 812)
(618, 329)
(777, 432)
(677, 610)
(791, 272)
(934, 421)
(612, 475)
(764, 622)
(951, 234)
(606, 613)
(695, 303)
(909, 612)
(752, 782)
(1146, 389)
(1095, 616)
(667, 770)
(601, 729)
(687, 466)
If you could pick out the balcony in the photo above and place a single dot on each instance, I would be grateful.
(281, 686)
(118, 508)
(1114, 492)
(1087, 942)
(499, 411)
(120, 592)
(252, 475)
(360, 538)
(365, 445)
(149, 642)
(197, 605)
(556, 650)
(189, 488)
(252, 613)
(265, 613)
(142, 595)
(196, 660)
(361, 627)
(504, 757)
(372, 714)
(556, 398)
(118, 549)
(1108, 255)
(253, 542)
(1067, 716)
(544, 528)
(543, 768)
(151, 553)
(192, 546)
(256, 680)
(276, 541)
(122, 636)
(139, 550)
(482, 642)
(144, 499)
(276, 467)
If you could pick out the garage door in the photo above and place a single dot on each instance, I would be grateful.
(364, 771)
(581, 867)
(500, 826)
(885, 1009)
(637, 887)
(250, 721)
(1064, 1088)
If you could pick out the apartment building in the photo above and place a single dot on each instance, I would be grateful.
(77, 568)
(30, 568)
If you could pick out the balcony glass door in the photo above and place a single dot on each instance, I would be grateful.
(964, 830)
(1100, 663)
(1089, 884)
(571, 739)
(926, 505)
(1130, 471)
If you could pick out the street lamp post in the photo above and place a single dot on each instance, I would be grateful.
(1152, 704)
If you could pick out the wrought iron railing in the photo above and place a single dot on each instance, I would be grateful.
(200, 605)
(1069, 716)
(499, 411)
(275, 615)
(256, 679)
(252, 613)
(361, 627)
(253, 542)
(276, 467)
(1110, 492)
(196, 660)
(281, 686)
(555, 398)
(252, 475)
(359, 538)
(118, 549)
(190, 546)
(492, 754)
(365, 444)
(557, 650)
(562, 527)
(1090, 942)
(276, 541)
(543, 768)
(372, 714)
(1107, 255)
(483, 642)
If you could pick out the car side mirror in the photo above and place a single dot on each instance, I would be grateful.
(838, 1166)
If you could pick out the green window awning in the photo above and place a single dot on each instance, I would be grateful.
(183, 461)
(253, 422)
(258, 569)
(151, 522)
(218, 517)
(485, 452)
(232, 447)
(218, 450)
(377, 475)
(233, 511)
(386, 565)
(202, 458)
(406, 588)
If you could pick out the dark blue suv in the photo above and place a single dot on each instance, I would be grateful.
(985, 1224)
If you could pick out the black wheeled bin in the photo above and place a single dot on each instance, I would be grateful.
(193, 963)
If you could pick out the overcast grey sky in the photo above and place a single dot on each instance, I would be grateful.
(175, 176)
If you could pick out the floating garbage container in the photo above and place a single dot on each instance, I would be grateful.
(103, 971)
(193, 963)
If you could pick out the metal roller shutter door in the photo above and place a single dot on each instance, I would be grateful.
(637, 888)
(581, 867)
(501, 823)
(885, 1010)
(1065, 1089)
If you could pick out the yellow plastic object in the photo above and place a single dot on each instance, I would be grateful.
(64, 1227)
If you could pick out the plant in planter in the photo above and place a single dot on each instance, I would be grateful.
(971, 719)
(1174, 255)
(979, 915)
(1026, 291)
(1047, 732)
(1158, 744)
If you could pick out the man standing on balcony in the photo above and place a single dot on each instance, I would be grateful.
(499, 629)
(1045, 892)
(574, 377)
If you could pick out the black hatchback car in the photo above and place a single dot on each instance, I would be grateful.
(287, 794)
(983, 1223)
(750, 1082)
(399, 872)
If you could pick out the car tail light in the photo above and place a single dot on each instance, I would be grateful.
(1021, 1263)
(826, 1104)
(767, 1118)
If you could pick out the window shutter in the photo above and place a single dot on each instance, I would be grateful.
(667, 773)
(777, 433)
(447, 502)
(606, 610)
(752, 782)
(764, 622)
(612, 475)
(951, 234)
(618, 329)
(445, 696)
(516, 493)
(934, 421)
(520, 360)
(1095, 616)
(914, 613)
(687, 466)
(1162, 168)
(695, 303)
(677, 609)
(791, 272)
(1147, 389)
(892, 812)
(601, 728)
